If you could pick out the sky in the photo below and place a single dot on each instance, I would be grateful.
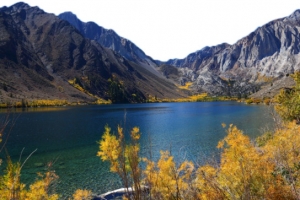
(166, 29)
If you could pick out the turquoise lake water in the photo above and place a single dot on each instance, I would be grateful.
(68, 136)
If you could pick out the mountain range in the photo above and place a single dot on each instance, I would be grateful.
(43, 56)
(268, 53)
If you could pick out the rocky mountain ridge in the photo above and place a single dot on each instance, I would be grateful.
(41, 54)
(110, 39)
(271, 51)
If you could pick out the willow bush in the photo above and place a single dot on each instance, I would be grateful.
(268, 168)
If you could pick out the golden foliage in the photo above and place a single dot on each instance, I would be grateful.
(110, 149)
(3, 105)
(12, 188)
(75, 83)
(124, 159)
(36, 103)
(269, 169)
(186, 86)
(10, 185)
(82, 195)
(247, 171)
(193, 98)
(284, 150)
(100, 101)
(39, 190)
(166, 180)
(288, 101)
(207, 183)
(267, 101)
(252, 101)
(243, 171)
(47, 102)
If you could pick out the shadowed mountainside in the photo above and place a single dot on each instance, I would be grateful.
(41, 54)
(111, 40)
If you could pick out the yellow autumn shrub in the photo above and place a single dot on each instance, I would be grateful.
(166, 180)
(12, 188)
(244, 171)
(208, 185)
(288, 101)
(284, 151)
(248, 171)
(10, 184)
(40, 189)
(124, 158)
(82, 195)
(110, 149)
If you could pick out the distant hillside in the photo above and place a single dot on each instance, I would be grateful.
(44, 57)
(271, 51)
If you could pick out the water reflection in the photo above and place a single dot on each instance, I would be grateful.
(34, 109)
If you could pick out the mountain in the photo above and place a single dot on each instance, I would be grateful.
(268, 53)
(43, 57)
(110, 39)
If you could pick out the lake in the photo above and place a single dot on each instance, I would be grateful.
(67, 136)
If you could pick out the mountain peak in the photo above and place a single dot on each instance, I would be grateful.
(295, 15)
(19, 6)
(15, 7)
(109, 39)
(68, 14)
(71, 18)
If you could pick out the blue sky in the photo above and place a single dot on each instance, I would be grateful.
(167, 29)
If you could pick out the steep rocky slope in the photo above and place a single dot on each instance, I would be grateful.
(272, 89)
(40, 53)
(111, 40)
(271, 51)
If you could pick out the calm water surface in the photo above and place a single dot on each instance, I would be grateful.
(68, 136)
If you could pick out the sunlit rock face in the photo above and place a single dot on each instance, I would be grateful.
(271, 51)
